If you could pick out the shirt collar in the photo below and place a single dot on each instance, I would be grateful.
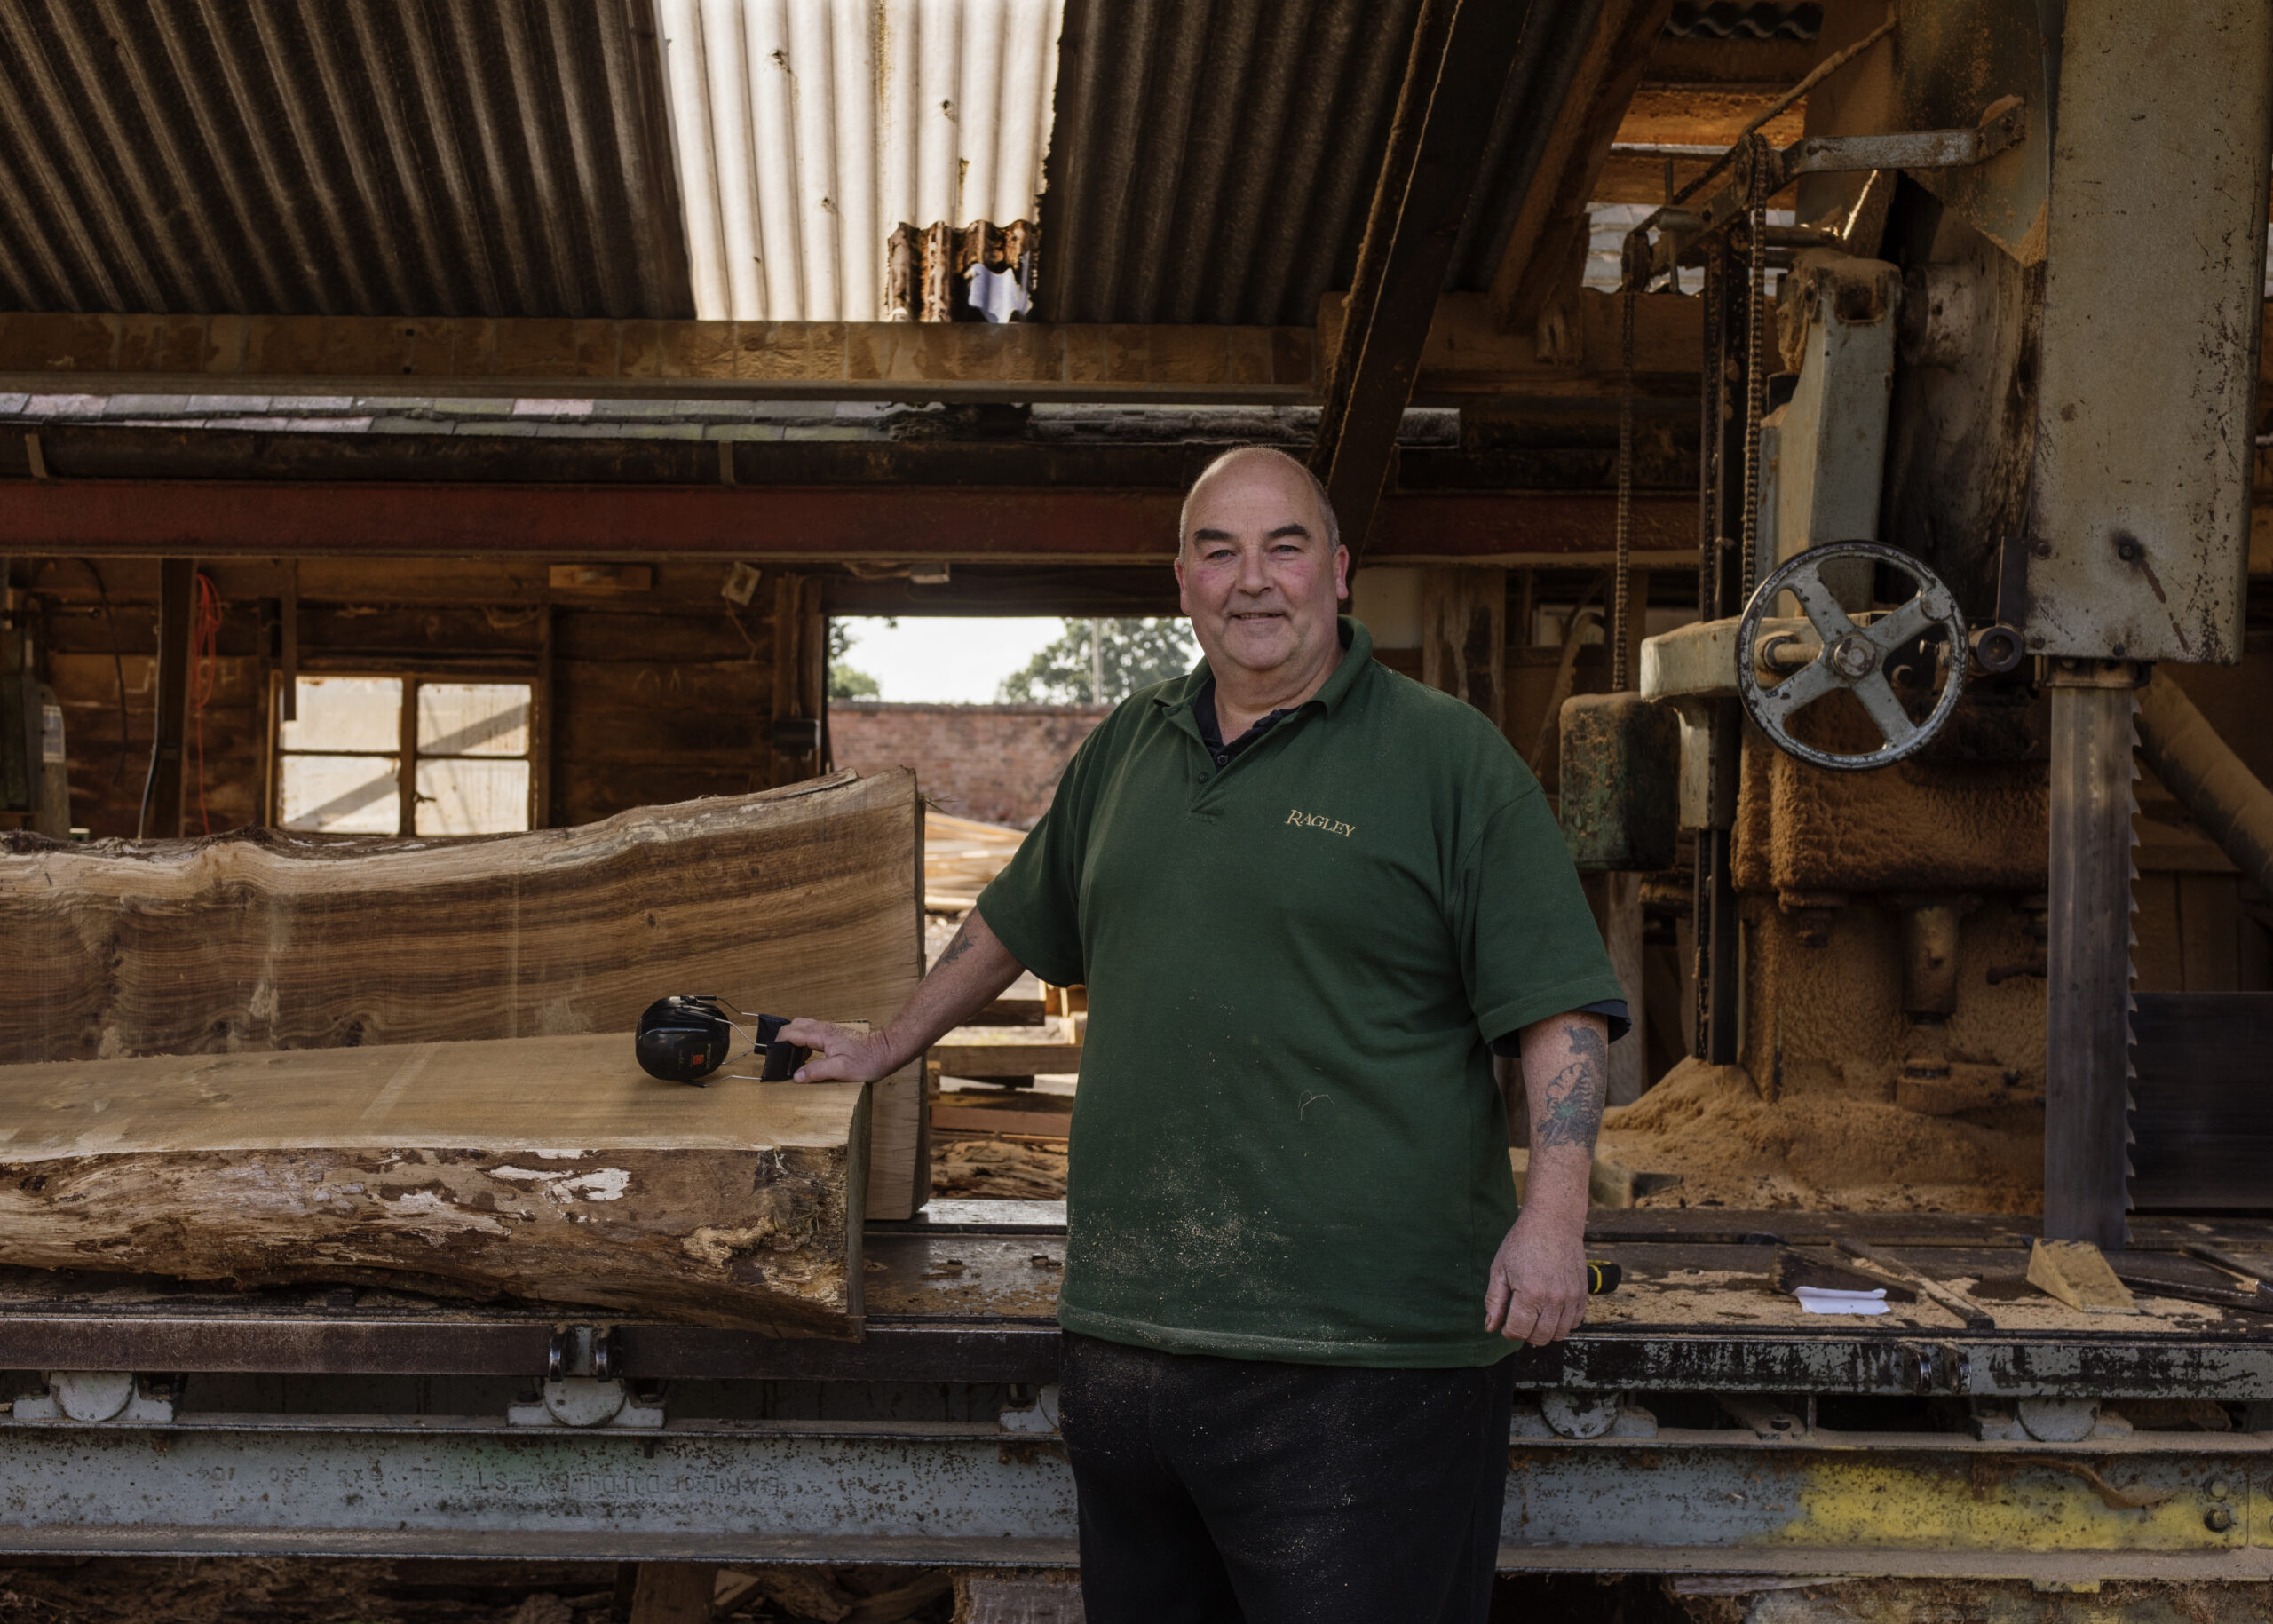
(1356, 656)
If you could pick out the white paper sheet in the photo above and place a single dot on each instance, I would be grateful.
(1816, 1300)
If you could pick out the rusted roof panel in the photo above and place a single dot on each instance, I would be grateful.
(805, 133)
(333, 157)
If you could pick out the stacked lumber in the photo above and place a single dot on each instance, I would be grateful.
(960, 858)
(548, 1169)
(800, 900)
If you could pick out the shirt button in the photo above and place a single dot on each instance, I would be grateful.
(1223, 761)
(1203, 778)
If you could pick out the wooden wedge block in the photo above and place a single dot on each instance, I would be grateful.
(803, 900)
(2077, 1272)
(553, 1169)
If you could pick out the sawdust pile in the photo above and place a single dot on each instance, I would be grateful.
(1820, 1152)
(999, 1168)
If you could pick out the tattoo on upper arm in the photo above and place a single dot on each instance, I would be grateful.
(1574, 1097)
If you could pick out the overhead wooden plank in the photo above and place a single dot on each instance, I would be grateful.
(553, 1169)
(631, 360)
(1462, 54)
(805, 901)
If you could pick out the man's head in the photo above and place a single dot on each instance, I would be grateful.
(1261, 564)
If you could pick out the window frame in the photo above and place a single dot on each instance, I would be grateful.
(412, 676)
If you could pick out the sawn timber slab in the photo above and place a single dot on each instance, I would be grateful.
(550, 1169)
(802, 900)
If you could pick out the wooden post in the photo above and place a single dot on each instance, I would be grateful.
(1464, 635)
(673, 1593)
(541, 730)
(161, 803)
(1620, 913)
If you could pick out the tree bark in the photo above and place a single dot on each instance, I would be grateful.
(547, 1168)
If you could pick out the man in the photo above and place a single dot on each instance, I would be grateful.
(1308, 897)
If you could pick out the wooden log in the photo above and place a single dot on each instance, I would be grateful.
(548, 1169)
(803, 900)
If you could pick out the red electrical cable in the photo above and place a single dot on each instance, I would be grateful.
(204, 648)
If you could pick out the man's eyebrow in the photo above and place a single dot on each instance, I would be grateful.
(1207, 534)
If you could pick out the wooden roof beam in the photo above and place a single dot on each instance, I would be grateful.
(1546, 252)
(534, 357)
(1463, 53)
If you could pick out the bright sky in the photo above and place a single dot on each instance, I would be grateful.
(946, 659)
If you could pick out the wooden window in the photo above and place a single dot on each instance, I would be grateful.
(405, 755)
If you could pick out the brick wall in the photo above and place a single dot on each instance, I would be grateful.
(998, 763)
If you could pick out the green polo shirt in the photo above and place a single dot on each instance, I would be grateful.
(1288, 1144)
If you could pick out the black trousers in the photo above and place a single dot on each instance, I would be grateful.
(1217, 1491)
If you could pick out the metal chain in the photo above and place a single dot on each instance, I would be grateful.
(1756, 394)
(1619, 677)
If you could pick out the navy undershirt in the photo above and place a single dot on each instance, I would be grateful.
(1507, 1046)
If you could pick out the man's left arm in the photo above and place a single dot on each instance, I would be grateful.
(1537, 1289)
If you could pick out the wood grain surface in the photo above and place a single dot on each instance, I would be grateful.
(549, 1168)
(803, 900)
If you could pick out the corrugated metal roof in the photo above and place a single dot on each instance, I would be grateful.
(428, 157)
(1212, 160)
(1547, 60)
(1730, 20)
(806, 129)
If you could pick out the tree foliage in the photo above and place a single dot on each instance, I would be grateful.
(848, 681)
(1136, 654)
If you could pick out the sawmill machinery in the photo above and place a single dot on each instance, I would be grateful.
(1985, 459)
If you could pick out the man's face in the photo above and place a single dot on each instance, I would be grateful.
(1255, 573)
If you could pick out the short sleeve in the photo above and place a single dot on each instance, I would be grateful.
(1529, 945)
(1033, 906)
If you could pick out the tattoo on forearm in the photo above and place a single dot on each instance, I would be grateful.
(956, 948)
(1574, 1097)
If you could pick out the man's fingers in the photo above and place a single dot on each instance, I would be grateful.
(806, 1033)
(1522, 1318)
(1495, 1300)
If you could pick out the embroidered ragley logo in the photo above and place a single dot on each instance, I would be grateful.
(1318, 820)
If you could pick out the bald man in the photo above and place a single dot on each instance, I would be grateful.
(1310, 898)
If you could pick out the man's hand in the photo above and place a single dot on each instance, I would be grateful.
(1538, 1290)
(841, 1054)
(971, 973)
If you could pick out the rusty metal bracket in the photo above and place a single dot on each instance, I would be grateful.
(1758, 171)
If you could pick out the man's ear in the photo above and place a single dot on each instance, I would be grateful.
(1341, 573)
(1183, 602)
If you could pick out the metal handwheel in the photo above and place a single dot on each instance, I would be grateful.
(1853, 657)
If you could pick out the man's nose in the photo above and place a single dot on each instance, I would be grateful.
(1253, 576)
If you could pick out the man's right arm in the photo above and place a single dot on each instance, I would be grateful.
(970, 975)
